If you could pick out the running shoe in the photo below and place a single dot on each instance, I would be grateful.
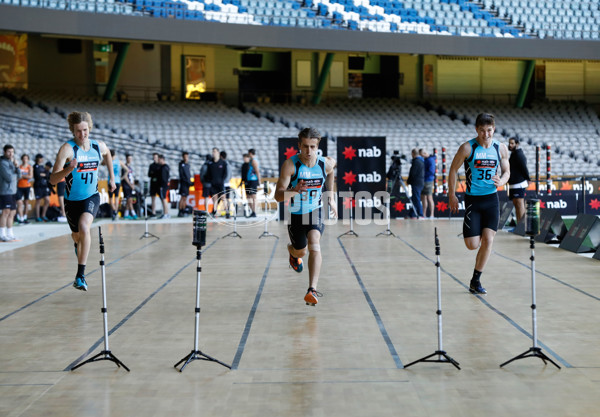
(80, 284)
(476, 288)
(296, 264)
(311, 297)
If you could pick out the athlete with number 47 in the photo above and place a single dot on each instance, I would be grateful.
(481, 156)
(301, 181)
(78, 161)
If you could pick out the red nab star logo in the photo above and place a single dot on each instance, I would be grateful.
(349, 202)
(289, 152)
(595, 204)
(441, 206)
(542, 204)
(349, 152)
(399, 206)
(349, 178)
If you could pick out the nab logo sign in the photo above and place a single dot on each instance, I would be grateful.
(371, 177)
(560, 204)
(373, 152)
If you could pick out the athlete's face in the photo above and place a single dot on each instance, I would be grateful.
(512, 145)
(25, 160)
(9, 154)
(485, 133)
(308, 149)
(81, 131)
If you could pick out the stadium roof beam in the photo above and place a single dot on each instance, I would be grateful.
(147, 29)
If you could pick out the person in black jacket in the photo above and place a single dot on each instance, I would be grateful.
(153, 175)
(416, 180)
(519, 177)
(185, 182)
(41, 189)
(217, 172)
(163, 183)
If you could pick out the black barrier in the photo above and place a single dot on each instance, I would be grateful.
(552, 227)
(585, 225)
(361, 166)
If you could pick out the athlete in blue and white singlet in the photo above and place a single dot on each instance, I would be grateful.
(77, 162)
(301, 182)
(482, 158)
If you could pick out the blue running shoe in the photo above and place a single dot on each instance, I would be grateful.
(80, 284)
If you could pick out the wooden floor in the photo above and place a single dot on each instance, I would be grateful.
(344, 357)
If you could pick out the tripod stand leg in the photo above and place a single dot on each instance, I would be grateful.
(198, 355)
(436, 353)
(532, 352)
(105, 355)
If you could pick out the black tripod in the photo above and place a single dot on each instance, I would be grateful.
(397, 179)
(106, 354)
(266, 233)
(442, 356)
(234, 233)
(388, 231)
(146, 233)
(199, 241)
(350, 232)
(535, 350)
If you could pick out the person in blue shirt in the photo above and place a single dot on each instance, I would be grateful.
(429, 178)
(481, 157)
(78, 161)
(416, 180)
(301, 181)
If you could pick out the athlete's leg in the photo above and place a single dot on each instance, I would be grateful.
(84, 238)
(297, 253)
(38, 202)
(164, 204)
(430, 204)
(314, 258)
(46, 205)
(424, 203)
(519, 204)
(487, 240)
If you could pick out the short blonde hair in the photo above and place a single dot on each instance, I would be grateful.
(77, 117)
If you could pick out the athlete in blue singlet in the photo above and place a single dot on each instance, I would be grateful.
(113, 196)
(482, 158)
(301, 181)
(252, 181)
(78, 161)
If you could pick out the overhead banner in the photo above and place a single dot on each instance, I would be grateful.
(361, 177)
(288, 147)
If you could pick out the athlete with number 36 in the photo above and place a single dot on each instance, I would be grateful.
(481, 156)
(78, 161)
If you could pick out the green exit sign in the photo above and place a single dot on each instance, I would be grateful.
(103, 47)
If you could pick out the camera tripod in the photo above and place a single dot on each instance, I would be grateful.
(146, 233)
(351, 232)
(397, 179)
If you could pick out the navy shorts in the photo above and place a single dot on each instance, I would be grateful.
(251, 187)
(301, 224)
(481, 212)
(41, 192)
(516, 193)
(60, 188)
(74, 210)
(127, 191)
(8, 202)
(23, 193)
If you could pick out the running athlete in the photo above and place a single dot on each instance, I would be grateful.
(301, 181)
(78, 161)
(481, 157)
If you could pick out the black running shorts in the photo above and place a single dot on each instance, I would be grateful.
(516, 193)
(300, 225)
(481, 212)
(74, 210)
(8, 202)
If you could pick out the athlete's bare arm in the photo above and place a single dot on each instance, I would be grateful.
(59, 171)
(463, 153)
(281, 189)
(105, 152)
(499, 181)
(255, 167)
(330, 184)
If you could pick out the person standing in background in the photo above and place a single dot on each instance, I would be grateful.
(153, 176)
(519, 177)
(227, 184)
(416, 178)
(429, 178)
(185, 182)
(9, 174)
(164, 174)
(40, 189)
(23, 189)
(253, 181)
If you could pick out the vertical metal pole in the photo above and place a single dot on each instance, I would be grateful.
(537, 170)
(435, 180)
(439, 306)
(198, 270)
(444, 185)
(351, 210)
(548, 171)
(533, 302)
(583, 191)
(103, 273)
(265, 189)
